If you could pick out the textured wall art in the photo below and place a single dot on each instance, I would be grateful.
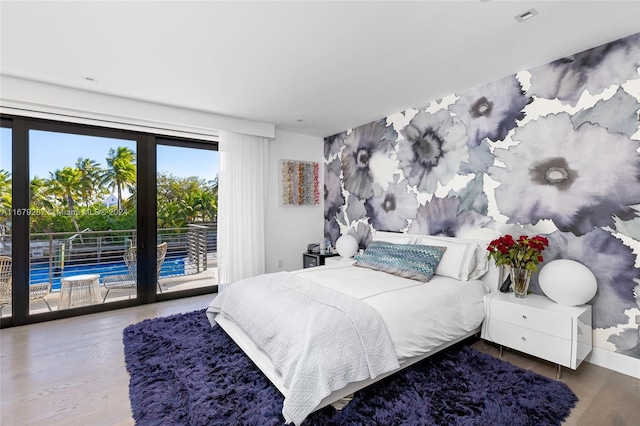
(554, 150)
(299, 183)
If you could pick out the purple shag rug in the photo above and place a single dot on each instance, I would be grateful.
(183, 372)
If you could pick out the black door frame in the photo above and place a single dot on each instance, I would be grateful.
(146, 144)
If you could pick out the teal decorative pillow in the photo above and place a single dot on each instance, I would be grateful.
(414, 261)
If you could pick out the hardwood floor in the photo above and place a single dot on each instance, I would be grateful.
(605, 397)
(72, 372)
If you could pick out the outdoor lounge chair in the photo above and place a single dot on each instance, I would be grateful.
(129, 280)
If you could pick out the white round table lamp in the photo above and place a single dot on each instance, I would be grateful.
(347, 246)
(567, 282)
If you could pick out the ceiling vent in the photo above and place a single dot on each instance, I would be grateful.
(525, 16)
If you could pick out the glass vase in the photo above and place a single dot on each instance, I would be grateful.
(520, 278)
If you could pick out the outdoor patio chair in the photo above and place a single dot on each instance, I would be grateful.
(161, 253)
(36, 291)
(128, 281)
(122, 281)
(5, 281)
(40, 291)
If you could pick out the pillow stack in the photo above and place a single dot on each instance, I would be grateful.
(463, 260)
(407, 255)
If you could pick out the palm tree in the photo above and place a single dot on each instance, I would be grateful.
(171, 215)
(40, 190)
(192, 205)
(121, 171)
(65, 185)
(40, 201)
(91, 178)
(201, 205)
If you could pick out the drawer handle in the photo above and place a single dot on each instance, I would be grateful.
(523, 338)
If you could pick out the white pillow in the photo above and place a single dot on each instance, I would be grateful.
(458, 261)
(394, 237)
(482, 263)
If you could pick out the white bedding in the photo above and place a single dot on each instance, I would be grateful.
(318, 339)
(419, 316)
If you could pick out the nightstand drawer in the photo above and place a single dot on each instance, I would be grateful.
(521, 315)
(538, 326)
(525, 340)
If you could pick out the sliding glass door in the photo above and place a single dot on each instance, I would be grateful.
(82, 220)
(94, 219)
(187, 212)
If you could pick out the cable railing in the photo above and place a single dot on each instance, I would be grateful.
(56, 255)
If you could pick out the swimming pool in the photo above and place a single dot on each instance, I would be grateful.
(40, 273)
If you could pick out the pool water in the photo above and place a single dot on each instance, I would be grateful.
(40, 273)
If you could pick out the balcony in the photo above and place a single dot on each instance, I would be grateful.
(190, 261)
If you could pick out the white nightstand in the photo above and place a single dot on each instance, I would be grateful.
(540, 327)
(339, 260)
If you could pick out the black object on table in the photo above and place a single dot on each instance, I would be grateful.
(309, 260)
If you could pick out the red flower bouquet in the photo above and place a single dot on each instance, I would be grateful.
(525, 252)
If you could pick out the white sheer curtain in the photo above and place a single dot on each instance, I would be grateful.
(242, 197)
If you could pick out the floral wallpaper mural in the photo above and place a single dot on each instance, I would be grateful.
(554, 150)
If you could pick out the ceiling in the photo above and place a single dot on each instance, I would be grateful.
(315, 68)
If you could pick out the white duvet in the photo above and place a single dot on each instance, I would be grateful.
(317, 338)
(419, 316)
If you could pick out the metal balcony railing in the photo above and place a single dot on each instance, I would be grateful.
(59, 254)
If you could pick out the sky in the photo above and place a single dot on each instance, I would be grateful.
(49, 151)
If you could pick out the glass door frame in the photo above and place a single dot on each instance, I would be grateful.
(181, 143)
(146, 217)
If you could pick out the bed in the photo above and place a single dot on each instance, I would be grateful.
(320, 334)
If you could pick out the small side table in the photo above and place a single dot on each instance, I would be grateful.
(309, 260)
(79, 290)
(540, 327)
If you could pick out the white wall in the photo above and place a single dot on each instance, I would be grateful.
(290, 229)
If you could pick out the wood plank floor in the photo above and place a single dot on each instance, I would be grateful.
(605, 397)
(72, 372)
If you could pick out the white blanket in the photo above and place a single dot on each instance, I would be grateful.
(318, 339)
(419, 316)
